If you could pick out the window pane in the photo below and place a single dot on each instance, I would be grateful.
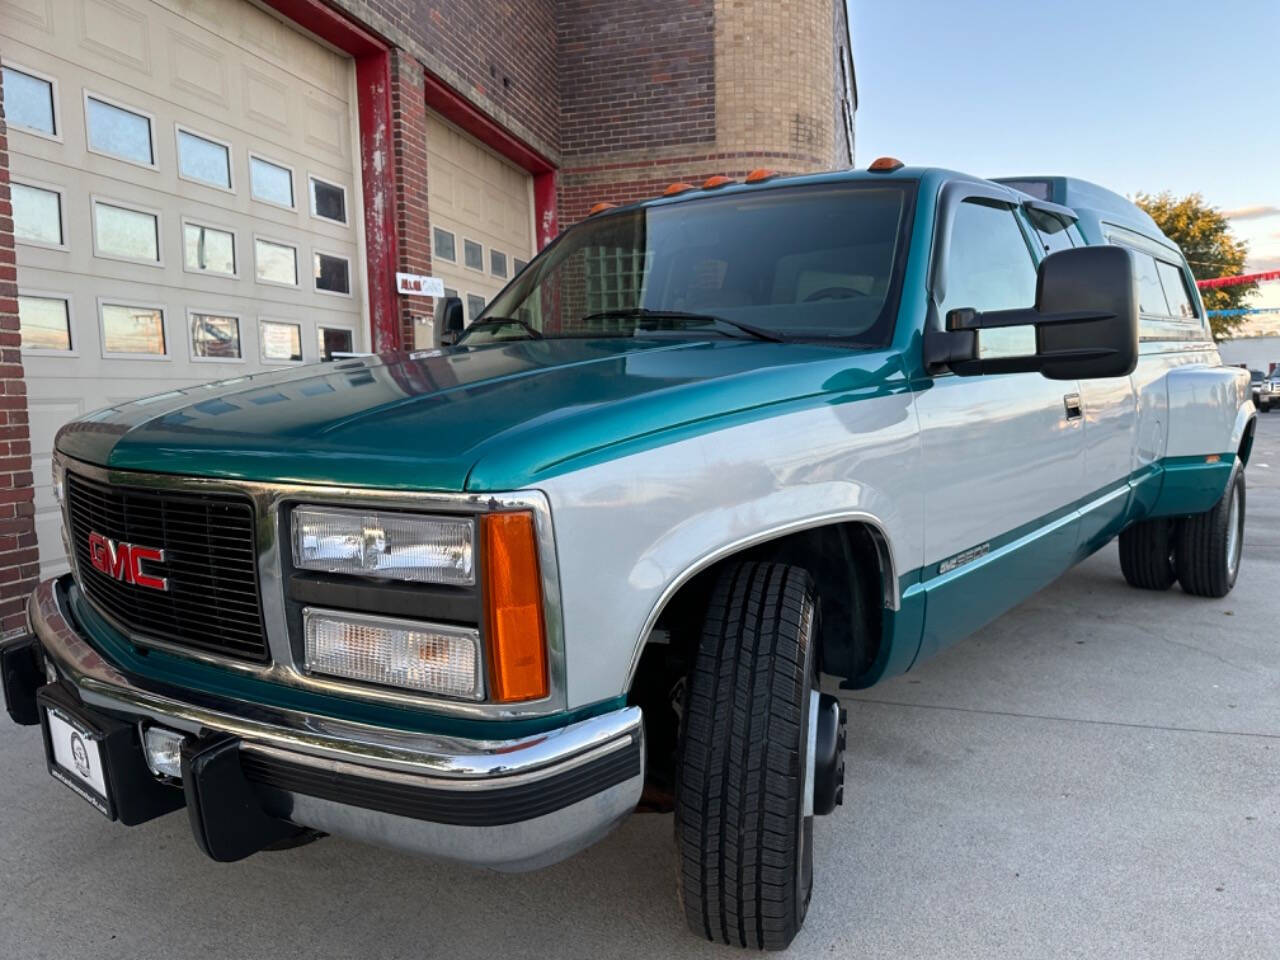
(281, 341)
(28, 101)
(442, 245)
(332, 273)
(214, 335)
(204, 160)
(37, 214)
(334, 341)
(497, 263)
(475, 305)
(1051, 230)
(988, 264)
(1175, 291)
(519, 265)
(270, 182)
(1150, 293)
(119, 132)
(276, 262)
(328, 201)
(450, 292)
(132, 329)
(126, 233)
(45, 322)
(474, 254)
(208, 250)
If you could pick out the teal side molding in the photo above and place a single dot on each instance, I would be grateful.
(193, 675)
(1192, 485)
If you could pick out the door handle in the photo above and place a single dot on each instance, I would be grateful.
(1075, 410)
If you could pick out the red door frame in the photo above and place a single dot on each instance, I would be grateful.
(373, 105)
(459, 111)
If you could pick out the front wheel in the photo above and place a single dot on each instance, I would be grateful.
(745, 790)
(1210, 544)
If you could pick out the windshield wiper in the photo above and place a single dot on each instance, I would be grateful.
(533, 333)
(644, 313)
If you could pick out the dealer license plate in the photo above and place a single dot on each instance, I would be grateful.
(75, 758)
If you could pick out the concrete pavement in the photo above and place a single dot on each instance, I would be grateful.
(1095, 775)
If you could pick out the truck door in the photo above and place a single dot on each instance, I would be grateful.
(1002, 454)
(1108, 410)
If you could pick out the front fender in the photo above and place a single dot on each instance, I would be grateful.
(630, 531)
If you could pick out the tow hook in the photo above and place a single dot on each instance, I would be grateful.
(828, 767)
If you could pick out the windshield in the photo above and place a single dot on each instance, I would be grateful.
(820, 262)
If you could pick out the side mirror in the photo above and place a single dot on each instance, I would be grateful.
(1084, 324)
(449, 320)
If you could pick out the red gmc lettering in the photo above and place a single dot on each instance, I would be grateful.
(123, 561)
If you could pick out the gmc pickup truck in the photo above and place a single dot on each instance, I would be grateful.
(708, 460)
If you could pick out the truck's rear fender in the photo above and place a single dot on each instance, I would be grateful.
(631, 532)
(1211, 417)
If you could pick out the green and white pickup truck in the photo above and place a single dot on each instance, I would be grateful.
(707, 460)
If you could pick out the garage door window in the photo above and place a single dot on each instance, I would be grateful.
(475, 306)
(498, 263)
(519, 265)
(215, 336)
(30, 102)
(119, 132)
(45, 324)
(208, 250)
(122, 233)
(334, 340)
(204, 160)
(132, 331)
(275, 262)
(37, 214)
(328, 201)
(442, 245)
(332, 274)
(281, 341)
(271, 182)
(473, 254)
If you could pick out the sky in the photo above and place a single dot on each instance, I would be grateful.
(1136, 95)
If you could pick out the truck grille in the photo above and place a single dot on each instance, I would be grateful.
(210, 566)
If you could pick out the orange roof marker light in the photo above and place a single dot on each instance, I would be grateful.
(885, 165)
(600, 207)
(716, 181)
(760, 175)
(678, 187)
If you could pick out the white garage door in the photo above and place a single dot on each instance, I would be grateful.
(481, 209)
(186, 203)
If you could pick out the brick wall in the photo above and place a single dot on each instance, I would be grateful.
(19, 563)
(635, 75)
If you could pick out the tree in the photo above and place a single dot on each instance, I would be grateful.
(1211, 249)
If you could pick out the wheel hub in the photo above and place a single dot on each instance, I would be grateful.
(827, 738)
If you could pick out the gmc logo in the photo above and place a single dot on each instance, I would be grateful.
(123, 561)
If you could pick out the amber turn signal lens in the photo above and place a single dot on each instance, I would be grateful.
(513, 608)
(675, 188)
(717, 181)
(600, 208)
(760, 174)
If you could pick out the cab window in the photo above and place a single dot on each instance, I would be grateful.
(989, 265)
(1051, 230)
(1150, 291)
(1176, 293)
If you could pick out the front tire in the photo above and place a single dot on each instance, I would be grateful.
(744, 839)
(1210, 544)
(1146, 554)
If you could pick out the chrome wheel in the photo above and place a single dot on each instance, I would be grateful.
(1235, 533)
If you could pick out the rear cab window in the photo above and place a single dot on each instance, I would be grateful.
(1166, 299)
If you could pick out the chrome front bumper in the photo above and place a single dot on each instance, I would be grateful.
(506, 804)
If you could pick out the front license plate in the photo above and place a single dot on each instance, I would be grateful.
(75, 758)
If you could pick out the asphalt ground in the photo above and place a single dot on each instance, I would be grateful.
(1097, 774)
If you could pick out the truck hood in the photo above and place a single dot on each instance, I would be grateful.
(487, 418)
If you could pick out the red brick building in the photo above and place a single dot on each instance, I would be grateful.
(195, 189)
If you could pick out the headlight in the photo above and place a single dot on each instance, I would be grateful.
(394, 546)
(432, 658)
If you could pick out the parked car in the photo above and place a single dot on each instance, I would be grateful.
(708, 460)
(1266, 388)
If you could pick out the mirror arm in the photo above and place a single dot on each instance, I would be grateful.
(967, 319)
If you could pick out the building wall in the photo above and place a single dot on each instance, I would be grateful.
(19, 558)
(668, 91)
